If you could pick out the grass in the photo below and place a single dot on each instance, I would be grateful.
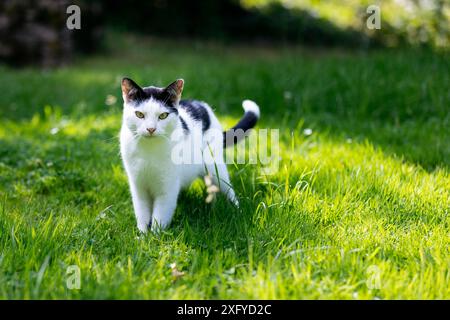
(359, 209)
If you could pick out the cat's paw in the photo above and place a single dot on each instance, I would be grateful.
(143, 227)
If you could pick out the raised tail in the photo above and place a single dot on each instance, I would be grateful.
(242, 128)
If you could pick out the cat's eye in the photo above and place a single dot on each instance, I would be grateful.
(139, 114)
(163, 115)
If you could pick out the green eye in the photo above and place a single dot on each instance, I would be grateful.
(163, 115)
(139, 114)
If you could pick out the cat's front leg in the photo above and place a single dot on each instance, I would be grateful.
(142, 205)
(164, 208)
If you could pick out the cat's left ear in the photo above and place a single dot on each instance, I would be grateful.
(174, 90)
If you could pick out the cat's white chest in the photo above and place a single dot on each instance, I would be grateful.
(148, 163)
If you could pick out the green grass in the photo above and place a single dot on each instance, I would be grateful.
(367, 190)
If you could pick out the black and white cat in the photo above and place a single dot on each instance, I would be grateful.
(151, 118)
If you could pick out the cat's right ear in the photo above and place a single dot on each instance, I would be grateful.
(131, 91)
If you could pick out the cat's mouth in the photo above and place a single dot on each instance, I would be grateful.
(148, 134)
(151, 136)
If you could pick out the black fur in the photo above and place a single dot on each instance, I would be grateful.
(139, 94)
(247, 122)
(184, 125)
(197, 110)
(160, 95)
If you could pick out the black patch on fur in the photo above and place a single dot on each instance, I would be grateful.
(138, 95)
(184, 125)
(161, 95)
(171, 109)
(197, 110)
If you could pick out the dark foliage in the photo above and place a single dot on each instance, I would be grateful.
(227, 19)
(35, 32)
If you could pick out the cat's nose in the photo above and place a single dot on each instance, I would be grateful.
(151, 130)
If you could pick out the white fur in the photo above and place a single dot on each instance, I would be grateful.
(155, 180)
(250, 106)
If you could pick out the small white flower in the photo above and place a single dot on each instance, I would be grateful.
(208, 180)
(211, 189)
(54, 130)
(175, 272)
(209, 198)
(307, 132)
(102, 215)
(287, 95)
(110, 100)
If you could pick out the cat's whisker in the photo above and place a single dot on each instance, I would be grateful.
(135, 136)
(165, 137)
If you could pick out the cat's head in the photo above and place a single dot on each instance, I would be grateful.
(151, 111)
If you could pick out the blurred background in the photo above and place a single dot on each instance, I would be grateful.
(364, 129)
(34, 32)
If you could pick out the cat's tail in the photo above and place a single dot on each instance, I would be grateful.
(242, 128)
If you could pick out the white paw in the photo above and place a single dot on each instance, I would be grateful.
(143, 227)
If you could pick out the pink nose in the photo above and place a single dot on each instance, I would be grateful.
(151, 130)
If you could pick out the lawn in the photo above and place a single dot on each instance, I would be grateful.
(359, 208)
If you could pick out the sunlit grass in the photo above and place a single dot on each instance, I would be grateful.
(365, 188)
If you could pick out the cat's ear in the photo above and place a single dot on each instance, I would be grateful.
(131, 91)
(174, 90)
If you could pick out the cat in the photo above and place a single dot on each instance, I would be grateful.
(151, 117)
